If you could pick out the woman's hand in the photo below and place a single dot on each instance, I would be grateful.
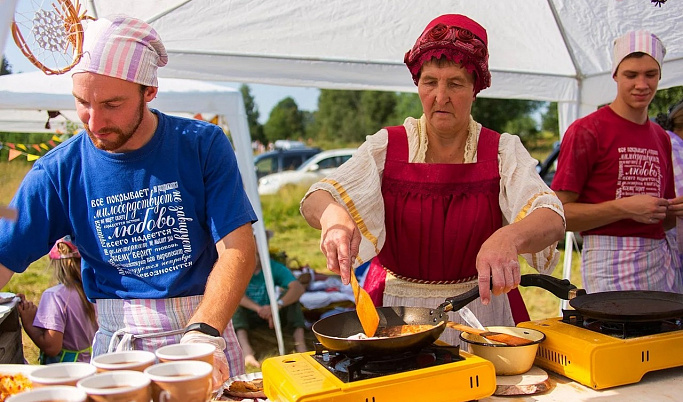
(339, 240)
(498, 268)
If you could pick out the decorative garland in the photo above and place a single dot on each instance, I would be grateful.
(19, 149)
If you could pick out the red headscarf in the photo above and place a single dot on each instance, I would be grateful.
(459, 39)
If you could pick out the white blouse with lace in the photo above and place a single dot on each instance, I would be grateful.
(357, 185)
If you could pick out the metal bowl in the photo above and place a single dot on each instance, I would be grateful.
(507, 359)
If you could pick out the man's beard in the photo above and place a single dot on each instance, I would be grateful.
(122, 136)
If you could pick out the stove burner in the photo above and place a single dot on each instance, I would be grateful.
(622, 329)
(350, 369)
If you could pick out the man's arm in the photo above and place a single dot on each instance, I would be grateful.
(582, 216)
(294, 291)
(5, 275)
(228, 279)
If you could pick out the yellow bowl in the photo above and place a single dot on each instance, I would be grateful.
(508, 360)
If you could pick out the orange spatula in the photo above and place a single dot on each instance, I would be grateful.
(365, 308)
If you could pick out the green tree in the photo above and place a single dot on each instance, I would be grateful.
(285, 121)
(496, 113)
(664, 99)
(376, 108)
(255, 128)
(550, 120)
(310, 124)
(349, 116)
(337, 116)
(525, 127)
(407, 105)
(6, 68)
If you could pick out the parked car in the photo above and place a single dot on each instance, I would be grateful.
(546, 168)
(282, 159)
(314, 169)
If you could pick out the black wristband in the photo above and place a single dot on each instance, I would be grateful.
(203, 328)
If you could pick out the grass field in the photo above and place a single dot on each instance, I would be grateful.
(292, 235)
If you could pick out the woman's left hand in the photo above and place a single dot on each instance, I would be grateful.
(498, 268)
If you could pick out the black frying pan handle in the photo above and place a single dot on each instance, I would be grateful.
(457, 302)
(561, 288)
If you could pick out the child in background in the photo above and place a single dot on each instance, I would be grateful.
(254, 309)
(64, 323)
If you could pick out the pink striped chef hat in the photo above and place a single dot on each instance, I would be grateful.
(122, 47)
(637, 42)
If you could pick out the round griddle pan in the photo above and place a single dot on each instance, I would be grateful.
(622, 306)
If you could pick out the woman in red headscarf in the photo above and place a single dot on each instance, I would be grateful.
(443, 203)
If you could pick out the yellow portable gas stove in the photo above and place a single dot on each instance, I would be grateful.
(434, 373)
(609, 338)
(600, 355)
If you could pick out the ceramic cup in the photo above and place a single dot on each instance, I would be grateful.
(136, 360)
(117, 386)
(61, 374)
(186, 351)
(181, 381)
(62, 393)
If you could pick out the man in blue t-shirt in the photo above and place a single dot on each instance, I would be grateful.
(155, 204)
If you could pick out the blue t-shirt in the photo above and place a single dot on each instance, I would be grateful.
(145, 222)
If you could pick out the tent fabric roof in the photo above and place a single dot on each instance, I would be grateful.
(553, 50)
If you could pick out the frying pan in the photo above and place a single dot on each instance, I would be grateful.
(621, 306)
(332, 332)
(624, 306)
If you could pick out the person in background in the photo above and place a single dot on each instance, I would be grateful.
(254, 309)
(441, 203)
(615, 179)
(673, 124)
(155, 203)
(64, 323)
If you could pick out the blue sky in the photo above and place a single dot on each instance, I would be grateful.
(265, 96)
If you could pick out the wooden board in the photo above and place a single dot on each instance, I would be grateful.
(532, 382)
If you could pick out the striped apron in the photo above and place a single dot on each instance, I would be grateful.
(148, 324)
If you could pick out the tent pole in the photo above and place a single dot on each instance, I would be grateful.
(239, 130)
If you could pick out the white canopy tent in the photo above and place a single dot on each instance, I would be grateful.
(34, 121)
(550, 50)
(37, 91)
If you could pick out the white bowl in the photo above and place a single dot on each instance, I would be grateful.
(507, 359)
(137, 360)
(61, 374)
(64, 393)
